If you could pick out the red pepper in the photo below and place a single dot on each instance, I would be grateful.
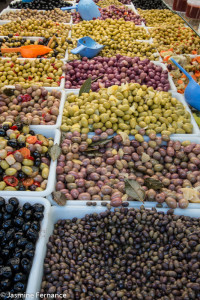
(30, 157)
(9, 153)
(39, 142)
(43, 115)
(49, 78)
(14, 127)
(62, 77)
(11, 180)
(17, 34)
(30, 78)
(36, 183)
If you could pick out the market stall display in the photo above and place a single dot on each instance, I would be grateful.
(92, 134)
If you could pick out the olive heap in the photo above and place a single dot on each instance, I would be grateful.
(102, 31)
(58, 45)
(182, 40)
(40, 4)
(105, 3)
(131, 48)
(117, 70)
(97, 168)
(150, 4)
(114, 12)
(33, 27)
(33, 106)
(24, 158)
(56, 15)
(125, 254)
(28, 72)
(157, 17)
(19, 232)
(127, 108)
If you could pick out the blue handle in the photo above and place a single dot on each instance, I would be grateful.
(69, 7)
(181, 68)
(78, 49)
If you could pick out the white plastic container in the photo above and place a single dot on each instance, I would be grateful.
(79, 212)
(177, 137)
(33, 283)
(48, 132)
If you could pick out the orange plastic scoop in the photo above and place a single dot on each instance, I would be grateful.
(29, 51)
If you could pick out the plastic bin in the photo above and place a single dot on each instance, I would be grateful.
(48, 132)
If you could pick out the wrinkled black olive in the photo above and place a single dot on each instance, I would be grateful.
(14, 201)
(18, 252)
(38, 216)
(18, 222)
(9, 208)
(2, 234)
(12, 245)
(19, 277)
(5, 127)
(36, 154)
(28, 253)
(14, 263)
(12, 143)
(26, 265)
(38, 207)
(10, 234)
(27, 206)
(5, 284)
(7, 216)
(26, 226)
(22, 242)
(32, 235)
(20, 212)
(6, 272)
(7, 224)
(30, 246)
(18, 235)
(2, 202)
(5, 253)
(37, 162)
(36, 226)
(21, 175)
(2, 132)
(19, 287)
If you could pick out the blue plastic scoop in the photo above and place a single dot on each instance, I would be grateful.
(192, 91)
(86, 8)
(86, 46)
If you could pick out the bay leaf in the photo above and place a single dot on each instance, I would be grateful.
(145, 157)
(124, 136)
(154, 184)
(8, 92)
(86, 86)
(192, 195)
(55, 151)
(101, 142)
(59, 198)
(134, 190)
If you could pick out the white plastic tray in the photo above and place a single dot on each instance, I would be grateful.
(48, 132)
(41, 242)
(79, 212)
(177, 137)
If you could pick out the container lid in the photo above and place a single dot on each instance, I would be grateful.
(194, 2)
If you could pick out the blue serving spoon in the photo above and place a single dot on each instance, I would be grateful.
(192, 91)
(87, 9)
(86, 46)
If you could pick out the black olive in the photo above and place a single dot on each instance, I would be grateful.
(18, 235)
(27, 206)
(19, 287)
(6, 127)
(9, 208)
(38, 207)
(14, 263)
(18, 252)
(5, 284)
(32, 235)
(19, 277)
(18, 222)
(6, 272)
(19, 212)
(12, 245)
(6, 216)
(12, 143)
(32, 187)
(2, 202)
(47, 155)
(21, 144)
(14, 201)
(37, 162)
(30, 246)
(10, 35)
(19, 125)
(1, 171)
(22, 242)
(36, 154)
(2, 132)
(7, 224)
(5, 253)
(36, 226)
(2, 234)
(21, 188)
(31, 132)
(38, 216)
(10, 234)
(26, 265)
(26, 226)
(28, 215)
(28, 253)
